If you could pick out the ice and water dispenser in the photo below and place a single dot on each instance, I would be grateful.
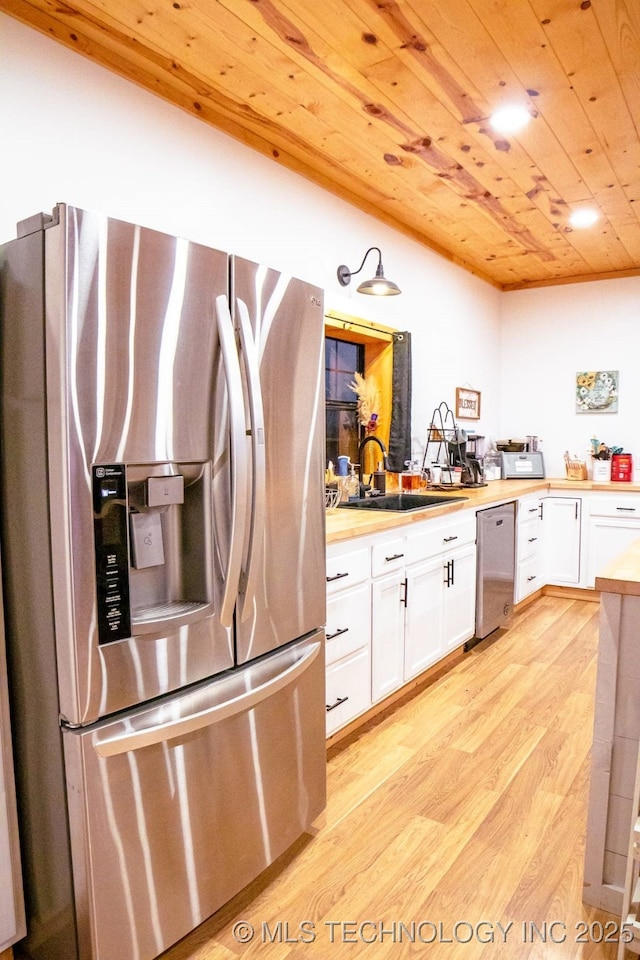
(152, 528)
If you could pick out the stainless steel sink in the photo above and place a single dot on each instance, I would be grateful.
(400, 502)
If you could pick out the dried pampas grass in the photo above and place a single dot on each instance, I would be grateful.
(368, 399)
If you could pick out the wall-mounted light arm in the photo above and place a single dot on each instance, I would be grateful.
(378, 286)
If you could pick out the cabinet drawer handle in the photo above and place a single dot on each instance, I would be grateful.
(629, 509)
(338, 633)
(533, 509)
(532, 539)
(332, 706)
(337, 576)
(532, 577)
(449, 539)
(396, 556)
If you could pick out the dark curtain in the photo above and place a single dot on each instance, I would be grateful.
(400, 428)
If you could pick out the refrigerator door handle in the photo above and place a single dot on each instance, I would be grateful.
(172, 729)
(258, 495)
(239, 476)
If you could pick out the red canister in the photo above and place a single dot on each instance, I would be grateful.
(622, 467)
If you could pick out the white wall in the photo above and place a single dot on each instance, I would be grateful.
(550, 334)
(80, 135)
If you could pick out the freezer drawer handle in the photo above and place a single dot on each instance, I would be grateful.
(338, 633)
(332, 706)
(173, 729)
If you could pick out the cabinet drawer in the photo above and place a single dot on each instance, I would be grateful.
(348, 622)
(622, 507)
(388, 556)
(528, 539)
(439, 535)
(529, 577)
(348, 690)
(346, 569)
(528, 509)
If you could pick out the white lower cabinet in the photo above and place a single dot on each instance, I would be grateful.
(562, 539)
(614, 523)
(387, 641)
(423, 599)
(530, 561)
(388, 592)
(459, 597)
(347, 689)
(348, 650)
(423, 634)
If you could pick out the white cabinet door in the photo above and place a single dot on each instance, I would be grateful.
(459, 596)
(608, 537)
(562, 524)
(387, 636)
(423, 617)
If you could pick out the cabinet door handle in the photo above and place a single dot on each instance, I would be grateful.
(449, 539)
(338, 633)
(449, 579)
(403, 598)
(627, 509)
(337, 576)
(453, 572)
(395, 556)
(332, 706)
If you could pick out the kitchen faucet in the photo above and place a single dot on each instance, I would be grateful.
(363, 444)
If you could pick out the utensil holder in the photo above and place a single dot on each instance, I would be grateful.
(601, 472)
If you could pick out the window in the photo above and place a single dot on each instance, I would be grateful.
(342, 359)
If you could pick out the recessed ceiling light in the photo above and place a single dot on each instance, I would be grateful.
(583, 218)
(510, 119)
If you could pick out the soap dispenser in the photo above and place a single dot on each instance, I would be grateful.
(353, 484)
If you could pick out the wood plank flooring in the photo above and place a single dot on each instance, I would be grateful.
(455, 821)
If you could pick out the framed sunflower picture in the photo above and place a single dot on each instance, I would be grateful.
(597, 391)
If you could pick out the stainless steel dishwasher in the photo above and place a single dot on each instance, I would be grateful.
(496, 568)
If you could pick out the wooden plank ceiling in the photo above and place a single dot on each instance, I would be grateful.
(385, 103)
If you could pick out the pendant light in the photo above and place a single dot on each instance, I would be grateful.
(378, 286)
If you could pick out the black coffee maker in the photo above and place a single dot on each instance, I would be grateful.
(467, 452)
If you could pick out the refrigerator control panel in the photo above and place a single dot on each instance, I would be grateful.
(111, 548)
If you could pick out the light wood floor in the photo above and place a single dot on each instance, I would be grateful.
(461, 809)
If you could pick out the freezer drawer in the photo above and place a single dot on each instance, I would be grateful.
(177, 807)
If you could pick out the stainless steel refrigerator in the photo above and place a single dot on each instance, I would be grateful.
(163, 539)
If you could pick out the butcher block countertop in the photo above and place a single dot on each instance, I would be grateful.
(343, 523)
(623, 574)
